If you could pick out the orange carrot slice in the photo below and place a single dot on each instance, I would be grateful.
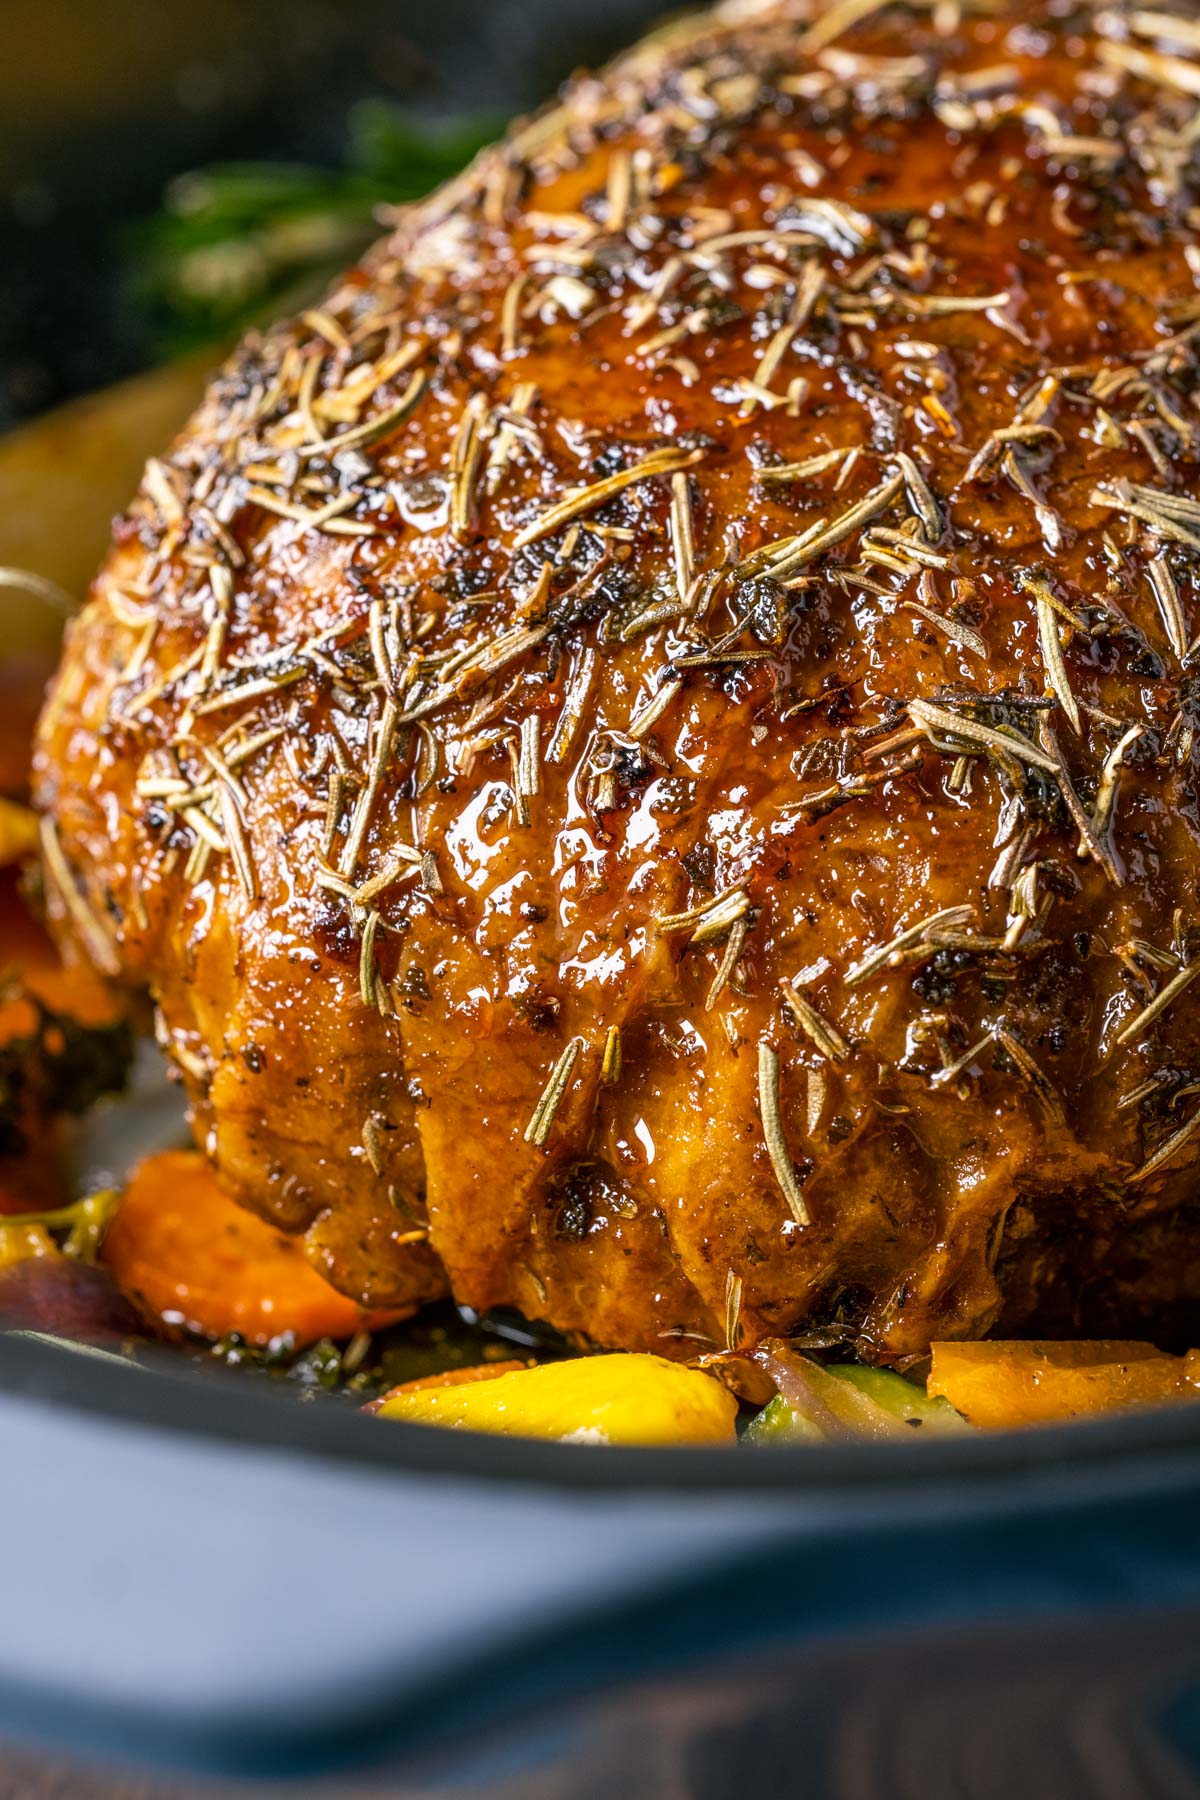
(29, 958)
(459, 1377)
(999, 1386)
(189, 1256)
(448, 1378)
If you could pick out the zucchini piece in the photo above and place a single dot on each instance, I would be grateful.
(848, 1402)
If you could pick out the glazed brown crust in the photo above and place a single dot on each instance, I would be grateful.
(653, 735)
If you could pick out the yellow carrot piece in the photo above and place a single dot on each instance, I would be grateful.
(619, 1399)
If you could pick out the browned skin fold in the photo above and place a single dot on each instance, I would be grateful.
(945, 236)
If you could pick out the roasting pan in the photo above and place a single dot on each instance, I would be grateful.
(207, 1578)
(211, 1586)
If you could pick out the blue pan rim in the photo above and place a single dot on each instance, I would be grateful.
(176, 1397)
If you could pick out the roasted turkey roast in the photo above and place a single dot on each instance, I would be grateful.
(645, 749)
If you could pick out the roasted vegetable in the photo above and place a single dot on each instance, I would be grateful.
(618, 1399)
(52, 1060)
(24, 1240)
(446, 1378)
(50, 1282)
(192, 1259)
(61, 1295)
(64, 1041)
(844, 1402)
(999, 1386)
(84, 1224)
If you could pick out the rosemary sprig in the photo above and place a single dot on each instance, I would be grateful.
(238, 840)
(920, 497)
(954, 629)
(372, 429)
(782, 473)
(787, 565)
(1044, 1090)
(1167, 514)
(708, 919)
(365, 805)
(939, 720)
(574, 705)
(93, 932)
(1051, 646)
(1167, 1151)
(811, 286)
(683, 541)
(773, 1132)
(538, 1128)
(529, 774)
(733, 1310)
(1090, 842)
(826, 1037)
(734, 945)
(1141, 1021)
(405, 862)
(646, 716)
(610, 1064)
(466, 461)
(368, 971)
(1170, 607)
(658, 462)
(232, 237)
(1106, 790)
(893, 951)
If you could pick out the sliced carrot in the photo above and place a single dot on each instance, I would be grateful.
(75, 994)
(1000, 1386)
(459, 1377)
(28, 955)
(616, 1399)
(189, 1256)
(34, 984)
(448, 1378)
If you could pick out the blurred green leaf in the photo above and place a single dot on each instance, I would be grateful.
(233, 238)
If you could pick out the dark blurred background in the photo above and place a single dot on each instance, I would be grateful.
(112, 263)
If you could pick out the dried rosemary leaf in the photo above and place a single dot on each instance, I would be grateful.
(368, 973)
(93, 932)
(826, 1037)
(538, 1128)
(1167, 1151)
(658, 462)
(773, 1133)
(905, 940)
(1137, 1026)
(938, 719)
(734, 945)
(610, 1066)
